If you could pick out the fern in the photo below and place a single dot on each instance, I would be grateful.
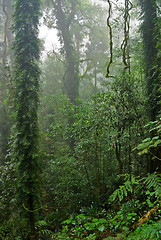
(154, 142)
(153, 182)
(43, 231)
(123, 190)
(147, 231)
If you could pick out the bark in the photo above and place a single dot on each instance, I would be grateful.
(71, 80)
(118, 156)
(150, 54)
(150, 35)
(145, 217)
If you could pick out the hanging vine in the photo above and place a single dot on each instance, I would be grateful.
(125, 43)
(111, 41)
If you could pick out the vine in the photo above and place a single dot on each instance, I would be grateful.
(26, 99)
(125, 43)
(34, 210)
(111, 41)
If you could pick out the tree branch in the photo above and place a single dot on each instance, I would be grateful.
(72, 13)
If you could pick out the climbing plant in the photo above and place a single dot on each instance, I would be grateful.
(26, 99)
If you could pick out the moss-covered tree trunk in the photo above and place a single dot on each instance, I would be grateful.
(26, 80)
(150, 53)
(152, 74)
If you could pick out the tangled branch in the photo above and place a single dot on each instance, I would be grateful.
(111, 42)
(125, 43)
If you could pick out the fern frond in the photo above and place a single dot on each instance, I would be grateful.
(147, 231)
(123, 190)
(153, 182)
(40, 224)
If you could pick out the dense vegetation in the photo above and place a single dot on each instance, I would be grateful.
(80, 126)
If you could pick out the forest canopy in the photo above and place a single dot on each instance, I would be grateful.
(80, 120)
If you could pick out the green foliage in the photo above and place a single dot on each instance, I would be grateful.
(104, 128)
(150, 230)
(122, 219)
(151, 142)
(25, 153)
(8, 201)
(123, 190)
(86, 176)
(143, 195)
(26, 80)
(42, 230)
(82, 227)
(153, 184)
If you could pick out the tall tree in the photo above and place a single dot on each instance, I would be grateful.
(5, 84)
(64, 15)
(150, 35)
(152, 65)
(27, 73)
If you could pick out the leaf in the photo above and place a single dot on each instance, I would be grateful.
(153, 183)
(68, 221)
(155, 138)
(144, 151)
(120, 195)
(123, 190)
(101, 228)
(146, 140)
(91, 226)
(102, 220)
(158, 142)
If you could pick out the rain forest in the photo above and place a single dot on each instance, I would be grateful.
(80, 119)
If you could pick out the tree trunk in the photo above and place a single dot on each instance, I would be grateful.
(71, 80)
(152, 67)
